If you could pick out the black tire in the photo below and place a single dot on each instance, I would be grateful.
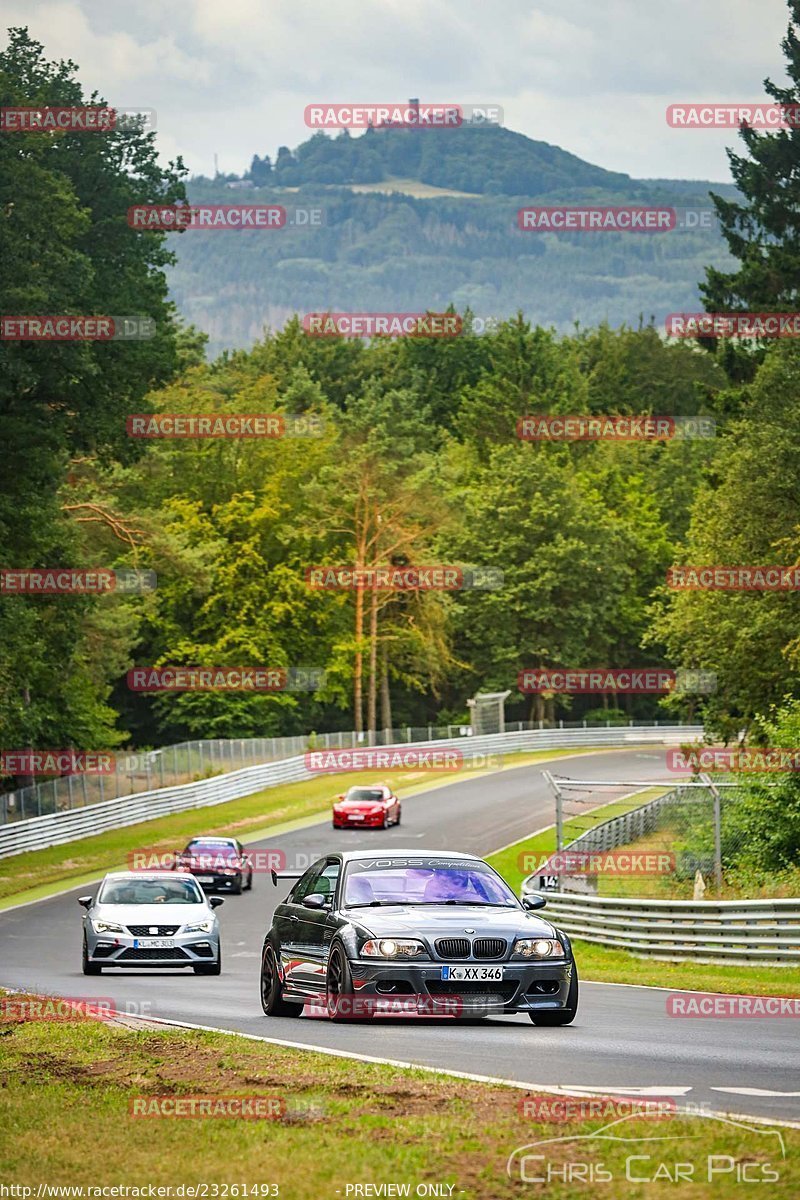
(214, 968)
(272, 1002)
(89, 968)
(563, 1016)
(250, 882)
(385, 821)
(236, 890)
(397, 822)
(339, 985)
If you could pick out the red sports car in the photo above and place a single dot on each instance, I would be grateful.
(366, 808)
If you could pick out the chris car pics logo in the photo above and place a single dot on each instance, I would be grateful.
(684, 1155)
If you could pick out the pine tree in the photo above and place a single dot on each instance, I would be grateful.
(763, 231)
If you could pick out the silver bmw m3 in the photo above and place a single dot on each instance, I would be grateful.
(151, 919)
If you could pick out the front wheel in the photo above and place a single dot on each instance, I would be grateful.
(89, 968)
(562, 1016)
(339, 985)
(272, 1002)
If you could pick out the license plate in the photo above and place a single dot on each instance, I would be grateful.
(205, 878)
(355, 817)
(153, 943)
(472, 974)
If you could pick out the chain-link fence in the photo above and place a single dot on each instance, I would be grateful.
(696, 823)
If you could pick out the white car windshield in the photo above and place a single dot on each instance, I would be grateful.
(150, 891)
(427, 883)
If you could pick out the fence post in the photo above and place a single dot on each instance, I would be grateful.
(717, 829)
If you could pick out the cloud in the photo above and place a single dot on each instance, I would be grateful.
(234, 77)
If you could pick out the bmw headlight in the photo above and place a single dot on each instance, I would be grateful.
(392, 948)
(107, 927)
(538, 948)
(200, 927)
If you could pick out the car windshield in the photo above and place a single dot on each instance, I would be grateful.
(150, 891)
(446, 882)
(211, 850)
(362, 794)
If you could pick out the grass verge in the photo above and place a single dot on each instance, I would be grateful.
(342, 1123)
(250, 819)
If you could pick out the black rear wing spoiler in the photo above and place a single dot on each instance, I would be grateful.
(276, 875)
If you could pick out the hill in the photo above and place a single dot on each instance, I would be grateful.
(400, 234)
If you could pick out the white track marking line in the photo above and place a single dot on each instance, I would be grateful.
(751, 1091)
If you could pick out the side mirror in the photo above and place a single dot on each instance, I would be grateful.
(340, 796)
(315, 901)
(215, 901)
(85, 901)
(531, 902)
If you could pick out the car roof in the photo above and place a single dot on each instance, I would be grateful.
(149, 874)
(210, 837)
(404, 852)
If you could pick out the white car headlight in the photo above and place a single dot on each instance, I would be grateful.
(199, 927)
(538, 948)
(107, 927)
(392, 948)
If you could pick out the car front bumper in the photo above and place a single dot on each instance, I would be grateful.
(541, 986)
(124, 950)
(216, 881)
(343, 821)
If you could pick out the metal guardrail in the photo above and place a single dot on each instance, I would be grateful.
(733, 931)
(60, 827)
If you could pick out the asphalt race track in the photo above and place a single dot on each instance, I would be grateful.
(621, 1042)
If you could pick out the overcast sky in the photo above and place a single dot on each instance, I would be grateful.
(234, 76)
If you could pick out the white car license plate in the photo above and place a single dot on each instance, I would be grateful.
(153, 943)
(356, 817)
(204, 878)
(472, 974)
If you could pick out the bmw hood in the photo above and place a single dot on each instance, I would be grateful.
(442, 920)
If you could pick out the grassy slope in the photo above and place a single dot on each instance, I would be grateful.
(346, 1122)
